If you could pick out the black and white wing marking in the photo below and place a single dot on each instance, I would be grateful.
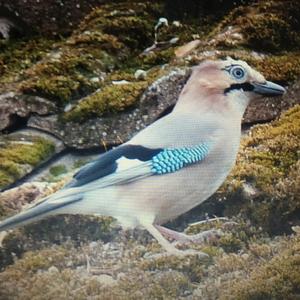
(128, 163)
(111, 162)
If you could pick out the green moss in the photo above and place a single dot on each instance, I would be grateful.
(113, 98)
(99, 43)
(65, 77)
(79, 228)
(267, 25)
(157, 58)
(110, 99)
(14, 157)
(131, 22)
(277, 279)
(273, 149)
(18, 55)
(282, 68)
(58, 170)
(235, 236)
(190, 266)
(269, 162)
(28, 154)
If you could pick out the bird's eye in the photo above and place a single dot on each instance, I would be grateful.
(237, 72)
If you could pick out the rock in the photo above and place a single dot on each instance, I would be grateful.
(15, 199)
(254, 25)
(14, 106)
(187, 48)
(53, 269)
(105, 280)
(59, 17)
(113, 129)
(24, 150)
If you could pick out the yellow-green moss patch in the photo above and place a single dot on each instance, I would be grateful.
(16, 158)
(17, 56)
(110, 99)
(58, 170)
(277, 279)
(267, 25)
(269, 162)
(107, 36)
(66, 75)
(113, 98)
(270, 151)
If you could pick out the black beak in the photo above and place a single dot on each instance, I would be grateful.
(268, 88)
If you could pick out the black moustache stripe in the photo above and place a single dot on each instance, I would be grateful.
(246, 87)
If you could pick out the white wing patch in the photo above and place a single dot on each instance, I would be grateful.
(125, 163)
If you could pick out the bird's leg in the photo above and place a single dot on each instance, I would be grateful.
(167, 245)
(185, 238)
(172, 234)
(162, 241)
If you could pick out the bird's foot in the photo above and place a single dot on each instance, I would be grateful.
(170, 249)
(206, 236)
(200, 238)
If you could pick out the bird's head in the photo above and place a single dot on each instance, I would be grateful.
(228, 82)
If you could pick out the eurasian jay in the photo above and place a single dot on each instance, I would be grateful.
(172, 165)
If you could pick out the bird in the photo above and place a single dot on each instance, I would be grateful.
(171, 166)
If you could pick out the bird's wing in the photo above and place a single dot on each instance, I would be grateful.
(130, 163)
(162, 147)
(114, 162)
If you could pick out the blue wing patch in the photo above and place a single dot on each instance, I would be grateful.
(172, 160)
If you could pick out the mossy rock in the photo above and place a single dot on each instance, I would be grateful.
(277, 279)
(111, 99)
(212, 9)
(266, 25)
(67, 76)
(18, 55)
(268, 164)
(17, 159)
(106, 37)
(110, 38)
(58, 230)
(58, 170)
